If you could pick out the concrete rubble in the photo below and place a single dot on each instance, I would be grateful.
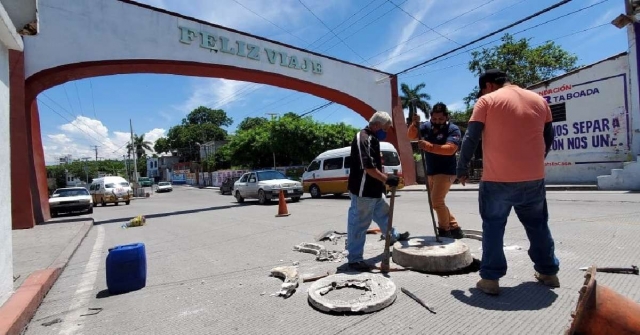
(291, 280)
(322, 254)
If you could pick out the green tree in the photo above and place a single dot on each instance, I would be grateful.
(201, 125)
(204, 115)
(140, 146)
(421, 99)
(525, 64)
(142, 166)
(295, 140)
(252, 122)
(162, 146)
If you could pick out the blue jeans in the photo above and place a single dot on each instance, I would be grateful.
(530, 203)
(361, 212)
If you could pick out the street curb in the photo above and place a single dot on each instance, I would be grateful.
(16, 312)
(548, 188)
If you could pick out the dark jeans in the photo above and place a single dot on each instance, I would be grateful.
(530, 203)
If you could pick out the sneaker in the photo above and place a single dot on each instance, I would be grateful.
(360, 266)
(548, 280)
(490, 287)
(457, 233)
(404, 236)
(401, 237)
(444, 233)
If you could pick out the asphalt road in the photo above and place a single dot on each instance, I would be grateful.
(209, 261)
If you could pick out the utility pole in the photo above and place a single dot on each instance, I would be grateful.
(273, 115)
(135, 160)
(95, 148)
(126, 164)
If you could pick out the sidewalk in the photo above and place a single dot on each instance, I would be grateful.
(39, 256)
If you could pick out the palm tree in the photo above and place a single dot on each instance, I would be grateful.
(140, 145)
(409, 94)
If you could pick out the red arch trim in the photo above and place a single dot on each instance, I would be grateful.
(55, 76)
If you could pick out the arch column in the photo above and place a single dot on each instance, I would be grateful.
(399, 136)
(22, 214)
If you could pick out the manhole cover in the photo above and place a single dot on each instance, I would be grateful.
(352, 293)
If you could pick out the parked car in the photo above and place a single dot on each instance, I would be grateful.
(328, 173)
(70, 199)
(145, 181)
(111, 189)
(266, 185)
(164, 186)
(227, 185)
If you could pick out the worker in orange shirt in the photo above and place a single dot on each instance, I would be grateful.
(440, 139)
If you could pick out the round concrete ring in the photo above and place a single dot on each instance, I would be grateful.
(426, 254)
(381, 294)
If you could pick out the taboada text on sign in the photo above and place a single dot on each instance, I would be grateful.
(239, 48)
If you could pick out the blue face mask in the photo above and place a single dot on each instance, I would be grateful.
(381, 134)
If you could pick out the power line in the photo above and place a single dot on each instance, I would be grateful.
(318, 108)
(75, 83)
(64, 86)
(353, 23)
(431, 40)
(341, 23)
(537, 44)
(543, 11)
(74, 116)
(93, 103)
(368, 24)
(331, 30)
(264, 18)
(422, 23)
(530, 28)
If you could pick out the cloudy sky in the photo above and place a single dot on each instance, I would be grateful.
(390, 35)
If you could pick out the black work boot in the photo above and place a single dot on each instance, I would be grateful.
(457, 233)
(444, 233)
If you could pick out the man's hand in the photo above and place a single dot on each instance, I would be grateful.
(416, 120)
(392, 180)
(425, 145)
(462, 180)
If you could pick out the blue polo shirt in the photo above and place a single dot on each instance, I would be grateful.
(441, 164)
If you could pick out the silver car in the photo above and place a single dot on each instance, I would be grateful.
(71, 199)
(266, 185)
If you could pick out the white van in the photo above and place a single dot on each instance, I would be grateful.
(329, 172)
(111, 189)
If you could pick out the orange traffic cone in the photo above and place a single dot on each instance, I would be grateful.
(601, 310)
(282, 206)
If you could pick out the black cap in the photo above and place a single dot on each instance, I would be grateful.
(491, 76)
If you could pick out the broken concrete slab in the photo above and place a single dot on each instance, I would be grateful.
(322, 254)
(291, 279)
(426, 254)
(352, 293)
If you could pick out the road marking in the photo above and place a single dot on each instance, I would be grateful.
(84, 291)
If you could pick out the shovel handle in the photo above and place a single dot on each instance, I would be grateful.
(384, 265)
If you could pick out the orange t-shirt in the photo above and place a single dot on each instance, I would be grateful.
(512, 140)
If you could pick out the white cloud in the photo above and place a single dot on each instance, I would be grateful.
(424, 45)
(216, 93)
(83, 125)
(59, 138)
(78, 137)
(455, 106)
(409, 29)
